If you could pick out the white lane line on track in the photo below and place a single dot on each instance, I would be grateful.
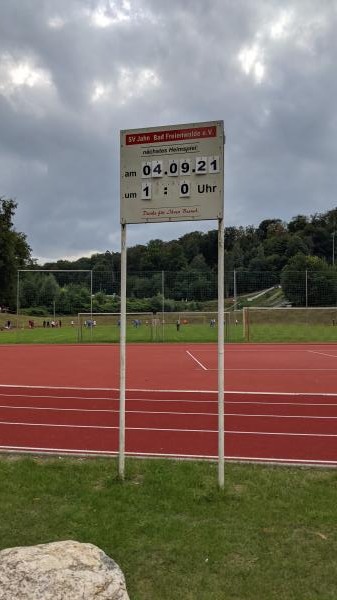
(87, 452)
(171, 430)
(322, 354)
(58, 397)
(162, 412)
(167, 391)
(294, 461)
(57, 387)
(234, 402)
(256, 351)
(55, 409)
(181, 401)
(196, 360)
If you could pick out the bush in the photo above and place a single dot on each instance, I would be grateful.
(35, 311)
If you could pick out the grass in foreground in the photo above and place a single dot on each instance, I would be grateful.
(271, 535)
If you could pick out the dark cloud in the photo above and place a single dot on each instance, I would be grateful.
(75, 72)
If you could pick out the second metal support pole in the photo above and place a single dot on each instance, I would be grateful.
(122, 357)
(221, 367)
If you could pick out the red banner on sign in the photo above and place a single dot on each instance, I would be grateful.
(170, 136)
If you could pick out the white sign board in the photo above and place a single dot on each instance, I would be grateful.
(172, 173)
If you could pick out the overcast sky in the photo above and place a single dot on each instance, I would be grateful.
(73, 73)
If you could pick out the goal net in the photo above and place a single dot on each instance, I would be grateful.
(290, 324)
(105, 327)
(201, 326)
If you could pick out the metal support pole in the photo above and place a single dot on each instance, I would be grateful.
(122, 351)
(221, 368)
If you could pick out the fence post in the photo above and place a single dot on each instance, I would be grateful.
(306, 288)
(163, 302)
(91, 290)
(234, 289)
(17, 300)
(245, 318)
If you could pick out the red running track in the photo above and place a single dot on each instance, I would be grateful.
(280, 401)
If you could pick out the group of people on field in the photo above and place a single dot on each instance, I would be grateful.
(52, 323)
(90, 323)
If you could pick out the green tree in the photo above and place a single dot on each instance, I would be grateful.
(298, 224)
(296, 244)
(309, 278)
(153, 259)
(191, 244)
(29, 285)
(49, 292)
(14, 253)
(199, 264)
(73, 298)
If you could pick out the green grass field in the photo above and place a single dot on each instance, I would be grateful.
(187, 334)
(109, 334)
(292, 332)
(275, 331)
(271, 535)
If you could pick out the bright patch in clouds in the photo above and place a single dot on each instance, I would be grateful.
(16, 74)
(56, 23)
(130, 84)
(110, 13)
(135, 84)
(100, 91)
(285, 26)
(251, 61)
(252, 57)
(23, 74)
(281, 27)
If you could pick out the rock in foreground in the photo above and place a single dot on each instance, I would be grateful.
(60, 571)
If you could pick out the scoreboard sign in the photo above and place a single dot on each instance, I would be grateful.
(172, 173)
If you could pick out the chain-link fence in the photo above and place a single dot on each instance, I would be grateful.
(181, 305)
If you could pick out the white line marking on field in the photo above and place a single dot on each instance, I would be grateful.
(162, 412)
(272, 403)
(191, 401)
(87, 452)
(171, 430)
(55, 409)
(196, 360)
(267, 460)
(322, 354)
(59, 397)
(165, 391)
(283, 433)
(24, 424)
(235, 402)
(58, 387)
(43, 450)
(273, 416)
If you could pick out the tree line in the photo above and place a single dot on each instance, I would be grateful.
(274, 252)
